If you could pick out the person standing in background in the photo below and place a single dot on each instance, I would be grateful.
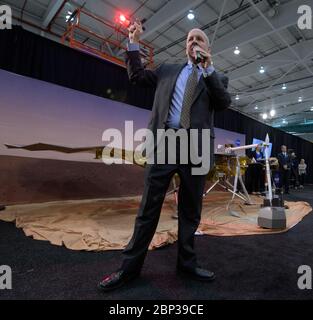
(284, 168)
(257, 155)
(294, 175)
(302, 172)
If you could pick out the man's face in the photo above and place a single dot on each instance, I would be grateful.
(196, 38)
(283, 149)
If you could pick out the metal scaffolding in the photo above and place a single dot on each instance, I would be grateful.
(99, 45)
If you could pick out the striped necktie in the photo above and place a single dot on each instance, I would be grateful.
(191, 85)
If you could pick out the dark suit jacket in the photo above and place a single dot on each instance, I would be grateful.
(211, 94)
(283, 161)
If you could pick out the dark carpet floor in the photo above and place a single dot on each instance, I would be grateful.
(247, 267)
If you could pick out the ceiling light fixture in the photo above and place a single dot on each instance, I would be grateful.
(284, 87)
(236, 51)
(264, 116)
(272, 113)
(68, 16)
(190, 15)
(262, 70)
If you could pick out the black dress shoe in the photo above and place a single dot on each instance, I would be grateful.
(197, 274)
(116, 280)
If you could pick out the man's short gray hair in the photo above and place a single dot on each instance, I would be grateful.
(203, 33)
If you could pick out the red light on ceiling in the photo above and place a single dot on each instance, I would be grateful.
(123, 20)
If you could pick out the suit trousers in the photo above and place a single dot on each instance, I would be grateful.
(190, 195)
(285, 176)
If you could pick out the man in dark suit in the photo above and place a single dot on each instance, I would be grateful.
(284, 168)
(294, 170)
(186, 96)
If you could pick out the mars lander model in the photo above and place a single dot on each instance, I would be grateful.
(272, 213)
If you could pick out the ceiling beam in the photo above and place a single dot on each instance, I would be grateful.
(303, 128)
(290, 69)
(304, 49)
(294, 108)
(276, 90)
(171, 11)
(298, 77)
(39, 4)
(168, 13)
(218, 22)
(292, 113)
(286, 99)
(256, 28)
(51, 12)
(282, 38)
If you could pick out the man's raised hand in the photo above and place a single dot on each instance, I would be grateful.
(135, 30)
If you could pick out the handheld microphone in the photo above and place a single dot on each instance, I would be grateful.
(199, 57)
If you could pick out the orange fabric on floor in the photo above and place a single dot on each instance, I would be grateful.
(107, 224)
